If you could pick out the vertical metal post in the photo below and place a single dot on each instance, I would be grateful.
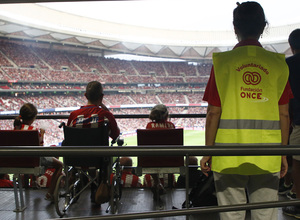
(17, 182)
(16, 193)
(187, 176)
(21, 192)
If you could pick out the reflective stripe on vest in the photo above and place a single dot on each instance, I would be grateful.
(250, 82)
(248, 124)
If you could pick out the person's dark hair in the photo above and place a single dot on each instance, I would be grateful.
(126, 161)
(249, 19)
(159, 113)
(294, 39)
(27, 112)
(94, 91)
(193, 160)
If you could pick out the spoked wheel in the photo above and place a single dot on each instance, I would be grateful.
(116, 192)
(60, 196)
(74, 189)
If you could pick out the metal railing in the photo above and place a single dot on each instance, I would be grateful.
(64, 116)
(165, 151)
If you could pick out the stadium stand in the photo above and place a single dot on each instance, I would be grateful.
(148, 68)
(87, 63)
(55, 77)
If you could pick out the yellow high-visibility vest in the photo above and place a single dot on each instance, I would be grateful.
(250, 82)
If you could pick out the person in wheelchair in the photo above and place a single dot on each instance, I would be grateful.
(28, 113)
(93, 115)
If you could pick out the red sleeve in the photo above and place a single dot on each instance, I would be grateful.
(286, 95)
(148, 125)
(70, 119)
(114, 129)
(211, 94)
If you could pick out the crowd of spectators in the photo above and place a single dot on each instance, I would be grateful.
(204, 69)
(54, 134)
(56, 59)
(180, 69)
(87, 63)
(20, 55)
(4, 76)
(144, 98)
(8, 103)
(59, 75)
(117, 99)
(149, 68)
(172, 98)
(194, 97)
(33, 63)
(119, 66)
(169, 79)
(114, 78)
(141, 79)
(24, 74)
(194, 123)
(66, 86)
(4, 61)
(28, 86)
(21, 62)
(193, 79)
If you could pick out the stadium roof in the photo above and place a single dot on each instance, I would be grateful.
(104, 27)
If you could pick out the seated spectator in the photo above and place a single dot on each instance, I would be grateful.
(94, 114)
(128, 179)
(194, 174)
(159, 120)
(5, 181)
(28, 113)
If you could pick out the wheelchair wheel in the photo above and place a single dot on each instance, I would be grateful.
(116, 193)
(61, 199)
(74, 189)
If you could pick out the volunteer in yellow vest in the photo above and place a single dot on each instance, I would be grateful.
(247, 94)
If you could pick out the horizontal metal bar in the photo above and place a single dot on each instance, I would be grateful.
(4, 117)
(191, 211)
(166, 150)
(39, 1)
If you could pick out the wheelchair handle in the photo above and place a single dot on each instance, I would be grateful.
(118, 140)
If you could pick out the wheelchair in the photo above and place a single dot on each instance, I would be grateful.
(77, 179)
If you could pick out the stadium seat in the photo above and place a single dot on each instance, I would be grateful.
(160, 164)
(20, 165)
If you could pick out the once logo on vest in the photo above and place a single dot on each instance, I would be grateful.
(251, 78)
